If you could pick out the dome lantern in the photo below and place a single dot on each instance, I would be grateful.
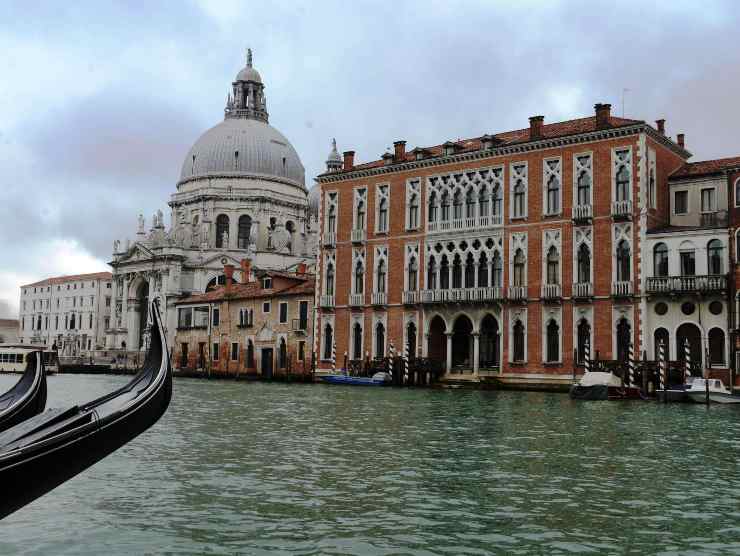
(334, 162)
(248, 98)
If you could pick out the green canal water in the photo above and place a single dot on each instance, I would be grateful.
(251, 468)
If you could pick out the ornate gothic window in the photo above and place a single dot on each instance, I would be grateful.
(457, 272)
(380, 277)
(433, 207)
(553, 342)
(624, 339)
(383, 215)
(519, 194)
(483, 271)
(431, 275)
(518, 334)
(553, 195)
(497, 201)
(412, 274)
(357, 341)
(498, 270)
(330, 279)
(331, 220)
(444, 274)
(379, 340)
(457, 206)
(584, 263)
(414, 212)
(483, 201)
(553, 266)
(222, 230)
(359, 278)
(584, 188)
(360, 216)
(470, 204)
(519, 268)
(623, 261)
(445, 206)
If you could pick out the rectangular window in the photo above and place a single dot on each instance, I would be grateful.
(234, 351)
(301, 351)
(303, 315)
(708, 203)
(214, 353)
(681, 202)
(267, 283)
(107, 301)
(283, 313)
(266, 307)
(185, 317)
(216, 316)
(200, 317)
(688, 263)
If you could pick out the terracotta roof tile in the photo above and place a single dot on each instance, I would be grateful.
(707, 167)
(253, 290)
(71, 278)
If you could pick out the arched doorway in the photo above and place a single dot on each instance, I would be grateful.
(716, 341)
(489, 352)
(624, 339)
(411, 340)
(661, 337)
(689, 331)
(437, 344)
(462, 343)
(142, 296)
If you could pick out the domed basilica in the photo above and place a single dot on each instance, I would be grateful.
(241, 197)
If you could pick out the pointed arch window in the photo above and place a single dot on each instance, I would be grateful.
(414, 212)
(360, 216)
(553, 195)
(519, 194)
(584, 263)
(483, 271)
(457, 272)
(714, 256)
(380, 277)
(457, 206)
(518, 340)
(444, 274)
(553, 342)
(357, 341)
(431, 275)
(330, 279)
(245, 227)
(379, 340)
(412, 274)
(624, 339)
(359, 278)
(331, 220)
(623, 261)
(470, 203)
(433, 207)
(553, 266)
(383, 215)
(328, 341)
(623, 183)
(519, 268)
(584, 188)
(498, 270)
(445, 206)
(469, 271)
(483, 201)
(497, 202)
(222, 229)
(660, 260)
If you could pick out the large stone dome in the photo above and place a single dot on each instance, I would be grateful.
(243, 147)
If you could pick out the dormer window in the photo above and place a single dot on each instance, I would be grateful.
(267, 283)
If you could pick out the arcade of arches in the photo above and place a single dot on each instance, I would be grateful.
(465, 342)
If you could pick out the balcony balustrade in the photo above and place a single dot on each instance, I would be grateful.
(716, 219)
(459, 295)
(583, 290)
(711, 283)
(622, 210)
(329, 239)
(411, 297)
(517, 292)
(356, 299)
(622, 288)
(582, 213)
(327, 301)
(358, 236)
(379, 298)
(551, 291)
(461, 224)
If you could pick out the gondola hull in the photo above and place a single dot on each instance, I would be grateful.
(49, 449)
(27, 398)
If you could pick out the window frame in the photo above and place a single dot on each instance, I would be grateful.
(713, 198)
(231, 351)
(283, 305)
(267, 304)
(675, 203)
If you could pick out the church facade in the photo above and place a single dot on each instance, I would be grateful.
(241, 196)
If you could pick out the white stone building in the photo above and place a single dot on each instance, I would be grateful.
(70, 313)
(241, 195)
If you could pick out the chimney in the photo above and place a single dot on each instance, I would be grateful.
(349, 160)
(400, 151)
(301, 269)
(486, 142)
(387, 159)
(535, 127)
(680, 140)
(229, 273)
(661, 126)
(603, 113)
(246, 265)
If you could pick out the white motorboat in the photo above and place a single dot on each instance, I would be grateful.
(718, 393)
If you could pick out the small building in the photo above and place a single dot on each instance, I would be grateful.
(262, 327)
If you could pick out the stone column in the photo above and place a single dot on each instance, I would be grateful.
(124, 302)
(476, 353)
(475, 275)
(449, 351)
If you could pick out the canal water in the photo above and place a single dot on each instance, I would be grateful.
(254, 468)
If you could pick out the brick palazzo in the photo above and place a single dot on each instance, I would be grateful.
(500, 255)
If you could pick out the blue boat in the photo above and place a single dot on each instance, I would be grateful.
(378, 379)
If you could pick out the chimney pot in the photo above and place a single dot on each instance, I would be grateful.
(387, 158)
(302, 269)
(680, 140)
(603, 114)
(399, 151)
(661, 126)
(229, 273)
(349, 160)
(535, 127)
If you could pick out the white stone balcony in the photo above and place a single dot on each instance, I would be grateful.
(517, 292)
(582, 212)
(583, 290)
(552, 291)
(712, 283)
(622, 288)
(329, 239)
(411, 297)
(464, 224)
(359, 236)
(379, 298)
(356, 299)
(327, 301)
(622, 210)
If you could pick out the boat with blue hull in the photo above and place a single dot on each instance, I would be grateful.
(378, 379)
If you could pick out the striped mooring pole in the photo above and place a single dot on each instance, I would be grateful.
(587, 356)
(661, 367)
(631, 366)
(391, 355)
(687, 357)
(406, 363)
(334, 358)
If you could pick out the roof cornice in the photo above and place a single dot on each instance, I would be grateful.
(541, 144)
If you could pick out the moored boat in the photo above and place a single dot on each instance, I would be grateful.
(713, 388)
(599, 385)
(46, 450)
(28, 397)
(378, 379)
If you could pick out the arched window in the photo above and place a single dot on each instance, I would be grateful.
(328, 341)
(717, 347)
(359, 278)
(414, 212)
(624, 339)
(553, 195)
(519, 268)
(737, 193)
(433, 207)
(457, 272)
(412, 274)
(584, 263)
(519, 192)
(661, 336)
(357, 341)
(660, 260)
(470, 203)
(498, 270)
(282, 354)
(623, 261)
(584, 188)
(714, 256)
(411, 340)
(380, 277)
(383, 215)
(483, 271)
(245, 227)
(553, 266)
(330, 279)
(445, 206)
(584, 337)
(518, 336)
(379, 340)
(687, 256)
(331, 220)
(444, 274)
(360, 223)
(457, 206)
(222, 229)
(553, 342)
(470, 271)
(497, 202)
(483, 201)
(431, 275)
(622, 185)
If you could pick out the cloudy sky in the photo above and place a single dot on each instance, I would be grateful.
(100, 102)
